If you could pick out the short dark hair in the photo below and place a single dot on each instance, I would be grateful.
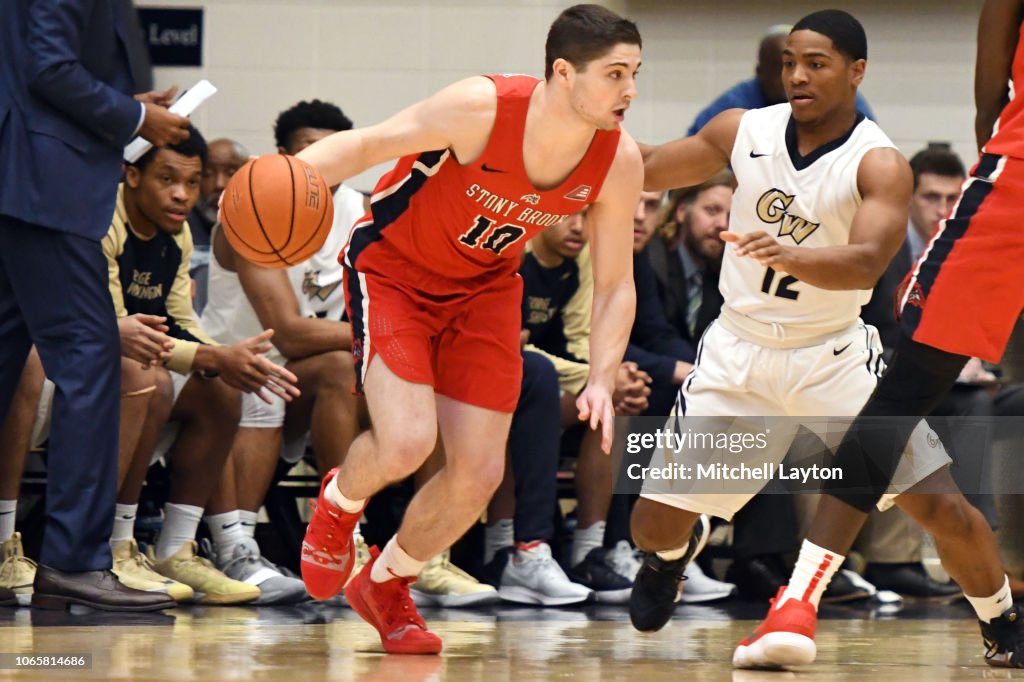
(846, 32)
(314, 114)
(194, 146)
(583, 33)
(937, 161)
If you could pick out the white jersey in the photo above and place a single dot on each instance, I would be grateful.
(802, 201)
(229, 317)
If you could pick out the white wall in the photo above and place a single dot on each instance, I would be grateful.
(372, 58)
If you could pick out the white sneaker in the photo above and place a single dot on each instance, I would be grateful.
(532, 576)
(247, 565)
(624, 560)
(700, 587)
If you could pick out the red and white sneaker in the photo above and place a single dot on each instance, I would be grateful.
(327, 550)
(388, 607)
(784, 638)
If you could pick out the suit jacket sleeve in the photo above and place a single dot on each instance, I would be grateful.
(662, 368)
(113, 245)
(56, 30)
(651, 330)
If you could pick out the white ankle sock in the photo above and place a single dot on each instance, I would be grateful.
(586, 539)
(393, 562)
(334, 496)
(181, 521)
(8, 512)
(988, 608)
(227, 532)
(498, 535)
(814, 569)
(249, 520)
(124, 522)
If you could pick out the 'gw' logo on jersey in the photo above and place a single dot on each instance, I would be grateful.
(771, 208)
(311, 286)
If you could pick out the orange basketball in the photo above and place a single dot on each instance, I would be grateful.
(277, 211)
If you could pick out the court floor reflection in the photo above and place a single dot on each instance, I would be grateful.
(313, 642)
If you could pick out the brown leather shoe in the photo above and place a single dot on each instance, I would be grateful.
(102, 590)
(7, 597)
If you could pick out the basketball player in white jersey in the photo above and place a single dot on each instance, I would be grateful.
(819, 211)
(305, 305)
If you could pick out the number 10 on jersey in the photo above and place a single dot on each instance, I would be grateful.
(497, 241)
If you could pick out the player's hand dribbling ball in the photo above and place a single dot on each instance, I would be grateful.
(277, 211)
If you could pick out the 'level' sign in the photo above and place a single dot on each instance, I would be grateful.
(174, 35)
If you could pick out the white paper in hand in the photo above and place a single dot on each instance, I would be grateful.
(184, 106)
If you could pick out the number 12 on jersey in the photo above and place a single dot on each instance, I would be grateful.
(498, 240)
(782, 290)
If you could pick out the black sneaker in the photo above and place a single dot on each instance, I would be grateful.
(597, 573)
(493, 570)
(658, 587)
(847, 586)
(758, 578)
(1004, 639)
(911, 580)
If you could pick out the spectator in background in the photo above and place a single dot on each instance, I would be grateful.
(658, 349)
(224, 158)
(148, 247)
(765, 88)
(520, 517)
(305, 306)
(557, 291)
(65, 93)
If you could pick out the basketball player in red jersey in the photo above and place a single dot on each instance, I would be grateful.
(434, 298)
(961, 300)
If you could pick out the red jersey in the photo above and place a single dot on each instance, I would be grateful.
(1008, 137)
(446, 228)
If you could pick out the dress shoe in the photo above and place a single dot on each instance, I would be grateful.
(912, 581)
(758, 579)
(7, 597)
(82, 617)
(97, 589)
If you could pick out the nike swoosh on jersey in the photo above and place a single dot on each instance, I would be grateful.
(837, 351)
(755, 155)
(487, 169)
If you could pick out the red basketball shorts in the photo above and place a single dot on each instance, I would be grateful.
(464, 345)
(966, 291)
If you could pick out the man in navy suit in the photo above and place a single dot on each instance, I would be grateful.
(66, 112)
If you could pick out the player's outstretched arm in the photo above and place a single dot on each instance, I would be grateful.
(998, 30)
(296, 336)
(691, 160)
(244, 366)
(610, 222)
(456, 118)
(878, 230)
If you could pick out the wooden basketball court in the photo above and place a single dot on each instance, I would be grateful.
(317, 642)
